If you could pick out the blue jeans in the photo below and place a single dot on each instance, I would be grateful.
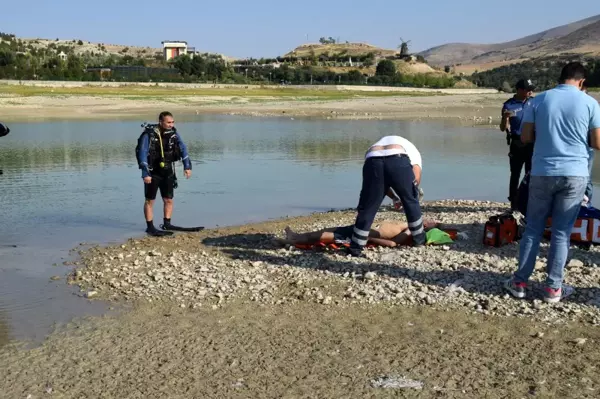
(560, 198)
(589, 190)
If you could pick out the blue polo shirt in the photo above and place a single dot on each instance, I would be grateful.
(563, 117)
(517, 107)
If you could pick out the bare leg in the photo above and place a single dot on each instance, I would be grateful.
(404, 235)
(148, 213)
(168, 207)
(312, 237)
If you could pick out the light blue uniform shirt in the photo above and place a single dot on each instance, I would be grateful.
(563, 117)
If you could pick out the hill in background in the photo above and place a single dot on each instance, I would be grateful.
(580, 38)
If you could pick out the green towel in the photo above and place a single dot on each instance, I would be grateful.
(437, 236)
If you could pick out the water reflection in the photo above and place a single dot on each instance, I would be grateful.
(80, 144)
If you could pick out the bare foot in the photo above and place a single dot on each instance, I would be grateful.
(430, 224)
(290, 234)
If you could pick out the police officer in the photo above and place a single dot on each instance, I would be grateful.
(161, 146)
(392, 162)
(519, 154)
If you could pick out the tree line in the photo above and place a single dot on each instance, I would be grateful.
(26, 61)
(544, 72)
(201, 68)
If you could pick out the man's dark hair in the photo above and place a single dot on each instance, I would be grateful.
(572, 71)
(162, 115)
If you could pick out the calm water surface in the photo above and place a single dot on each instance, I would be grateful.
(70, 182)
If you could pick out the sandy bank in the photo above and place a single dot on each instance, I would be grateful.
(225, 313)
(46, 100)
(467, 109)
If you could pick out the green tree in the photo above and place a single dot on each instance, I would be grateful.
(74, 67)
(183, 63)
(198, 66)
(369, 60)
(386, 68)
(6, 58)
(355, 76)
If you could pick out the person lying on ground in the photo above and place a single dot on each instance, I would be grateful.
(388, 234)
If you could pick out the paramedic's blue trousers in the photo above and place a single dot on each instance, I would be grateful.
(379, 174)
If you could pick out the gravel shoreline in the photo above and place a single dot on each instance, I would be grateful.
(211, 268)
(226, 313)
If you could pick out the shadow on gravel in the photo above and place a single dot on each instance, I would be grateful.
(250, 247)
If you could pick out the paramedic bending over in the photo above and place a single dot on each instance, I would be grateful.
(392, 162)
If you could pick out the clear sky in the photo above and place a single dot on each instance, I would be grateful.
(269, 28)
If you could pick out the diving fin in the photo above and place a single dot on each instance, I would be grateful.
(158, 233)
(169, 227)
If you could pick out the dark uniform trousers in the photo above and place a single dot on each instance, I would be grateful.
(379, 174)
(519, 154)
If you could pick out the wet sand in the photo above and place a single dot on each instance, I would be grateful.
(306, 350)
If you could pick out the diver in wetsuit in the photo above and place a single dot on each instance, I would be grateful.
(160, 146)
(4, 130)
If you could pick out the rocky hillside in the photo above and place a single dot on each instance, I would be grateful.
(83, 47)
(581, 37)
(351, 49)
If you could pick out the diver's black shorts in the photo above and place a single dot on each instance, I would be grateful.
(166, 185)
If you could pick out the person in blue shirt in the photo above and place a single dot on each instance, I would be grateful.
(563, 122)
(161, 146)
(519, 154)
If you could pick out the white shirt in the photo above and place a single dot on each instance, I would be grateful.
(408, 148)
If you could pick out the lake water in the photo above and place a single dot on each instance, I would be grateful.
(70, 182)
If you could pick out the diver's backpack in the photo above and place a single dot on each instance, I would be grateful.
(151, 129)
(148, 128)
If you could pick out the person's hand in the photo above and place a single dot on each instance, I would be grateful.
(187, 173)
(147, 180)
(398, 204)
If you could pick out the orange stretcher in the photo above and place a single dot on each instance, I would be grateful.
(453, 233)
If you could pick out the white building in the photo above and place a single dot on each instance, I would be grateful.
(173, 48)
